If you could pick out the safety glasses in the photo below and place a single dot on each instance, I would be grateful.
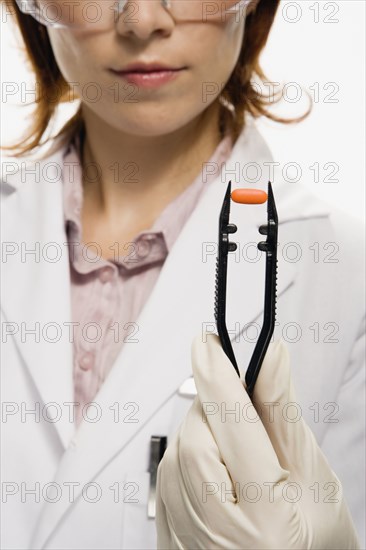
(103, 14)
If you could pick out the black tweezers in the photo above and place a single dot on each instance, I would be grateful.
(270, 247)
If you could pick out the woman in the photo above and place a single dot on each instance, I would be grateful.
(109, 247)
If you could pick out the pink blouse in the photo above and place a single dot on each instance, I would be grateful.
(108, 295)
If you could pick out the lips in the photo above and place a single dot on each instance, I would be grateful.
(148, 75)
(146, 68)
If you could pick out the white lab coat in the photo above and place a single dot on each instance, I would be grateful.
(74, 476)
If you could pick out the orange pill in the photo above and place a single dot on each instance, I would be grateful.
(249, 196)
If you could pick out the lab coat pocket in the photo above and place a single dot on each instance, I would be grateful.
(138, 531)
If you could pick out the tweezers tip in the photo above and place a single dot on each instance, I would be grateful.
(270, 191)
(271, 204)
(228, 190)
(225, 209)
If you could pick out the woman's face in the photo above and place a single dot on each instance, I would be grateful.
(206, 53)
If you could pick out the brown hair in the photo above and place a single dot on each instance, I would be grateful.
(240, 92)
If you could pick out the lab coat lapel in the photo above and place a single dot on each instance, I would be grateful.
(36, 288)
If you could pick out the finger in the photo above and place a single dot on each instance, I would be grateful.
(238, 431)
(173, 509)
(225, 513)
(164, 528)
(195, 485)
(205, 473)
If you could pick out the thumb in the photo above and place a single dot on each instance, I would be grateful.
(244, 445)
(275, 400)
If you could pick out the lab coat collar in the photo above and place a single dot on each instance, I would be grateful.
(150, 371)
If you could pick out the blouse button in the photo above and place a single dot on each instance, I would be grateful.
(87, 361)
(106, 274)
(144, 247)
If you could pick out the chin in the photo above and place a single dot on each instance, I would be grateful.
(151, 124)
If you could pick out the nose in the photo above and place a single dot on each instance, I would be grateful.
(142, 18)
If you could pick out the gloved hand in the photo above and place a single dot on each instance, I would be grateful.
(235, 479)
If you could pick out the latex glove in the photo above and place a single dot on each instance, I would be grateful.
(226, 481)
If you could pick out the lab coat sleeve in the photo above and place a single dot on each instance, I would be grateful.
(344, 442)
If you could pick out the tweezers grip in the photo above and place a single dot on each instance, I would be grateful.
(270, 247)
(267, 327)
(221, 277)
(220, 312)
(269, 315)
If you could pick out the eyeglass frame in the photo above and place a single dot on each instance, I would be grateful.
(236, 8)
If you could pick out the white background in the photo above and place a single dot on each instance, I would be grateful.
(317, 45)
